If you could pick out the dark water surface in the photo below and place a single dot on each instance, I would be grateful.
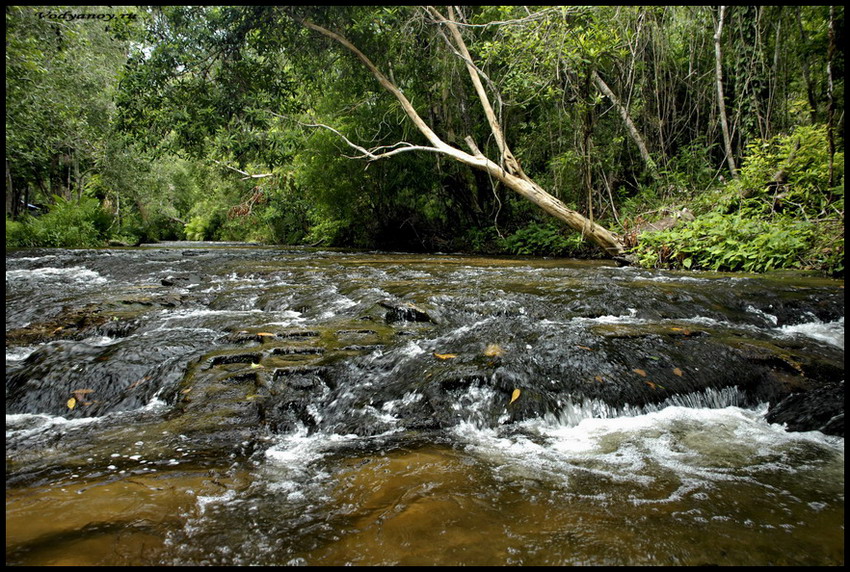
(199, 403)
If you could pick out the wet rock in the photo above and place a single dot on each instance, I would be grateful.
(816, 409)
(252, 358)
(69, 324)
(403, 312)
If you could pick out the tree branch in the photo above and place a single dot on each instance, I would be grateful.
(241, 172)
(508, 160)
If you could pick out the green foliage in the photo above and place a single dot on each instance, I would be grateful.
(718, 241)
(762, 221)
(69, 224)
(544, 240)
(209, 91)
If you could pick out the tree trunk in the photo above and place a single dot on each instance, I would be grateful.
(718, 56)
(830, 98)
(506, 171)
(804, 63)
(10, 192)
(630, 125)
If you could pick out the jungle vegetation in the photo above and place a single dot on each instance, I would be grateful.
(688, 137)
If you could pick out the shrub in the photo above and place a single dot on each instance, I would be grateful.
(543, 240)
(68, 224)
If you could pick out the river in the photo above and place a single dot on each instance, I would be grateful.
(227, 404)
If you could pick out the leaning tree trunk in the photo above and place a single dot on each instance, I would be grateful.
(507, 169)
(630, 125)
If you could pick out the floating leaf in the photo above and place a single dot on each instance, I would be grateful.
(493, 350)
(677, 371)
(72, 403)
(640, 372)
(650, 384)
(265, 334)
(445, 356)
(599, 379)
(585, 348)
(515, 395)
(256, 366)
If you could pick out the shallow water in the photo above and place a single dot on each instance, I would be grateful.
(170, 464)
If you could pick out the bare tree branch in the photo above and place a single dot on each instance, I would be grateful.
(241, 172)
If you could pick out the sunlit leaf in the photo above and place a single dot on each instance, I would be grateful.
(445, 356)
(677, 371)
(515, 395)
(640, 372)
(493, 350)
(72, 403)
(256, 366)
(265, 334)
(585, 348)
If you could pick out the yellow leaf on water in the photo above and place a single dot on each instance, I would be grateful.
(256, 365)
(266, 334)
(72, 403)
(599, 379)
(515, 395)
(640, 372)
(493, 350)
(677, 371)
(445, 356)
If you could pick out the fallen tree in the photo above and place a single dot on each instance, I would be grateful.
(506, 169)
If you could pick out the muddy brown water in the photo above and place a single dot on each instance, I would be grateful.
(243, 405)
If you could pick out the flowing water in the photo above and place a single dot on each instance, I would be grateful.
(216, 404)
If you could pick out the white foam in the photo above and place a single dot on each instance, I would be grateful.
(692, 447)
(23, 425)
(829, 332)
(51, 274)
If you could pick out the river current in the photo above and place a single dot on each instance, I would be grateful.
(215, 404)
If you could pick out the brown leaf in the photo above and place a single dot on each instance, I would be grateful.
(677, 371)
(493, 350)
(651, 385)
(136, 384)
(445, 356)
(640, 372)
(585, 348)
(515, 395)
(599, 379)
(79, 394)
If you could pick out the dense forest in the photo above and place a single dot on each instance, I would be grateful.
(669, 136)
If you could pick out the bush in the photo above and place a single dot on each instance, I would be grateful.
(68, 224)
(762, 221)
(728, 242)
(544, 240)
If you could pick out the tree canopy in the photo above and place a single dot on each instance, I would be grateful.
(241, 122)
